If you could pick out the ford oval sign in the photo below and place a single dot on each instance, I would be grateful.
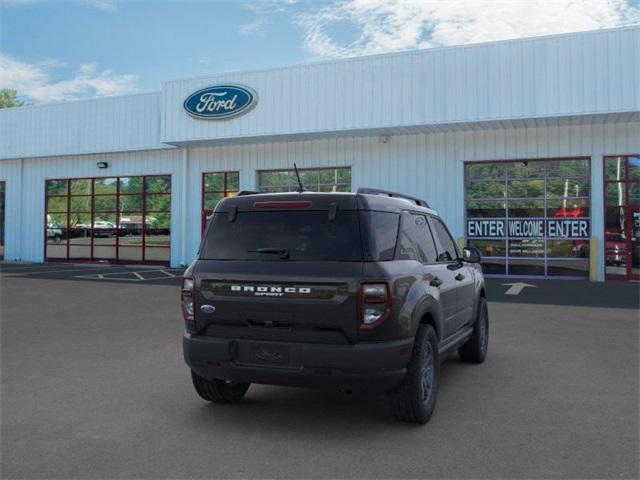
(220, 101)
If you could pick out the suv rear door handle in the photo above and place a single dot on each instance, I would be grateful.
(459, 277)
(435, 282)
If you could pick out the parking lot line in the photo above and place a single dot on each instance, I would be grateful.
(129, 276)
(39, 272)
(25, 268)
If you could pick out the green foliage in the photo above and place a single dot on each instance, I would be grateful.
(105, 185)
(526, 188)
(104, 203)
(214, 182)
(8, 98)
(158, 184)
(81, 204)
(130, 203)
(80, 186)
(158, 203)
(485, 190)
(57, 204)
(130, 184)
(322, 180)
(56, 187)
(485, 171)
(159, 220)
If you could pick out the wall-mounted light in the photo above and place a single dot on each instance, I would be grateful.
(384, 138)
(102, 165)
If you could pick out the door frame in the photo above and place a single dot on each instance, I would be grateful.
(110, 261)
(628, 212)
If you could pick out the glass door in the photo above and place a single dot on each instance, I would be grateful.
(215, 187)
(2, 184)
(530, 217)
(117, 219)
(635, 241)
(622, 217)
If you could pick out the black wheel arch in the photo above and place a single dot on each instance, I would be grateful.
(429, 313)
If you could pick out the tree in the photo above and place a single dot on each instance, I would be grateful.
(8, 98)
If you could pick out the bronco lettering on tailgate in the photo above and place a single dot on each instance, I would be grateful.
(269, 291)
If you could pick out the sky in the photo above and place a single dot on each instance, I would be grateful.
(54, 50)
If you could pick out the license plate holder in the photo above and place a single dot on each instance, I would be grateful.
(267, 354)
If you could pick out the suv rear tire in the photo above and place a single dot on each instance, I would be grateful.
(414, 400)
(219, 391)
(475, 349)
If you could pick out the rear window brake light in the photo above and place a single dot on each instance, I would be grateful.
(283, 204)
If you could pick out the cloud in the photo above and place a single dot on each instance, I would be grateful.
(379, 26)
(33, 80)
(266, 7)
(253, 28)
(104, 5)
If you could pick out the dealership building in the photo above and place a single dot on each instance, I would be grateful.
(529, 149)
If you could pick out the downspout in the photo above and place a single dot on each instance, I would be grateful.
(20, 185)
(597, 241)
(183, 208)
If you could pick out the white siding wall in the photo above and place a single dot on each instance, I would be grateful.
(565, 75)
(425, 165)
(115, 124)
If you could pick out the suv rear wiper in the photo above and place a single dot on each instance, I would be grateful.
(283, 252)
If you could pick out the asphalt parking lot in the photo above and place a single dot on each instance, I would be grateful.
(94, 386)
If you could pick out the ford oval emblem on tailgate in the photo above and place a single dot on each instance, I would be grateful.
(207, 308)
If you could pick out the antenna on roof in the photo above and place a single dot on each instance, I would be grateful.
(300, 185)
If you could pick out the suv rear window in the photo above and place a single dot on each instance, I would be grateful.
(305, 235)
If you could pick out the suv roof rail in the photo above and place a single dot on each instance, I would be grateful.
(242, 193)
(377, 191)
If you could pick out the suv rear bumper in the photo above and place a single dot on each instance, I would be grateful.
(367, 366)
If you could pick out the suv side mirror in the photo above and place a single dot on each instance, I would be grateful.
(471, 255)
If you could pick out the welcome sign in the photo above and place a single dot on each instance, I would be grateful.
(525, 228)
(220, 102)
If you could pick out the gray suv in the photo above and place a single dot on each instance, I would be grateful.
(361, 291)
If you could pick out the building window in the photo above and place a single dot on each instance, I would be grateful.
(622, 217)
(531, 217)
(215, 187)
(124, 219)
(314, 180)
(2, 187)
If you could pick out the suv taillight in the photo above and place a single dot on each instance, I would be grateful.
(186, 298)
(374, 302)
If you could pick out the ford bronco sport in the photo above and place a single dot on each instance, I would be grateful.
(353, 291)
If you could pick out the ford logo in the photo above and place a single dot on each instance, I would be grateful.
(220, 101)
(207, 308)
